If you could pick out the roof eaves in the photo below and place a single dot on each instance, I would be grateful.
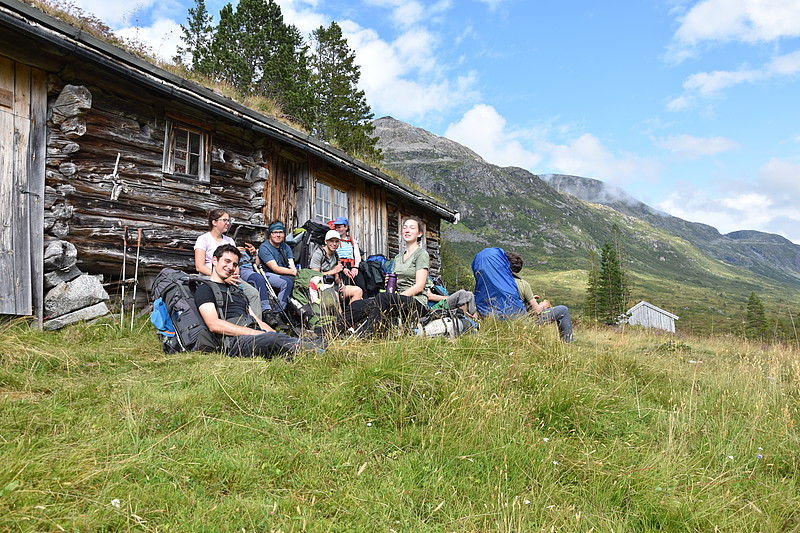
(75, 40)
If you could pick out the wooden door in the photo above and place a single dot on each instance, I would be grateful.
(22, 161)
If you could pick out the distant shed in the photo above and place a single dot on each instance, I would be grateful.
(648, 315)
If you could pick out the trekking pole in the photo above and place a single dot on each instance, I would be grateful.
(136, 274)
(124, 260)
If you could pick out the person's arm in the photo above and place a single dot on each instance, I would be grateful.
(208, 311)
(433, 297)
(200, 262)
(421, 279)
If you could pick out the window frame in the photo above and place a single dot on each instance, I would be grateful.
(335, 202)
(203, 154)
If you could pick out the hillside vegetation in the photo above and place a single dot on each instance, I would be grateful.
(504, 430)
(686, 268)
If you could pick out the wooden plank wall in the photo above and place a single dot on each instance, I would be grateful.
(21, 97)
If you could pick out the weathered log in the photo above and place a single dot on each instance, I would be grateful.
(73, 127)
(73, 101)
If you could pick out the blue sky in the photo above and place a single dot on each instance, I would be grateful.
(689, 106)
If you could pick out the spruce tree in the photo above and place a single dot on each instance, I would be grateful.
(197, 35)
(257, 53)
(756, 321)
(609, 290)
(342, 116)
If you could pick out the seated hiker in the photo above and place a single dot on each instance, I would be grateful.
(278, 261)
(545, 312)
(464, 300)
(326, 261)
(244, 334)
(253, 284)
(349, 254)
(411, 268)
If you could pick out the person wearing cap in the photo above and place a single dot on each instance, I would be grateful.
(278, 261)
(326, 261)
(349, 255)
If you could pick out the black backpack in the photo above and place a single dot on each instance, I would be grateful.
(176, 289)
(312, 239)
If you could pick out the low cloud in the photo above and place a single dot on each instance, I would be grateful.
(586, 156)
(768, 203)
(693, 147)
(709, 84)
(484, 130)
(720, 21)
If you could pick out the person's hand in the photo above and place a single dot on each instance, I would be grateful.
(293, 271)
(545, 304)
(338, 268)
(234, 279)
(250, 248)
(349, 272)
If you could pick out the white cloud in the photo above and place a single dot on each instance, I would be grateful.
(767, 203)
(113, 13)
(708, 84)
(586, 156)
(694, 147)
(748, 21)
(493, 4)
(405, 78)
(483, 130)
(404, 13)
(163, 37)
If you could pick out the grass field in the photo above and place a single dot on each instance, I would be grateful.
(504, 430)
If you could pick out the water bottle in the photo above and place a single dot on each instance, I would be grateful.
(391, 282)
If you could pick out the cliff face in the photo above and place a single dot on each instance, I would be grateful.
(556, 219)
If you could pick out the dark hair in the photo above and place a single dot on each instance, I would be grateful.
(227, 248)
(420, 225)
(213, 215)
(516, 261)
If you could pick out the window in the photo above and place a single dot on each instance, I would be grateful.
(329, 203)
(186, 152)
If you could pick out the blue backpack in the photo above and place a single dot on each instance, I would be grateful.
(496, 291)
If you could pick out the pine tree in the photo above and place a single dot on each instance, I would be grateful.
(257, 53)
(608, 292)
(756, 322)
(342, 116)
(197, 35)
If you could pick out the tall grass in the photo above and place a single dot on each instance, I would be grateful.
(504, 430)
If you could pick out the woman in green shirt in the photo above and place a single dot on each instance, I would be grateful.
(411, 267)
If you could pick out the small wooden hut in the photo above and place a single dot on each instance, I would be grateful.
(95, 140)
(648, 315)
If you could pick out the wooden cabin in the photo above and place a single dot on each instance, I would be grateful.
(96, 142)
(648, 315)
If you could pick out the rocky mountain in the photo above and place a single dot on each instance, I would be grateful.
(555, 219)
(765, 253)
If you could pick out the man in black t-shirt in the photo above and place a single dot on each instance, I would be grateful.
(244, 334)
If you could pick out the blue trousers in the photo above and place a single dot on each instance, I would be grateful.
(560, 315)
(257, 280)
(283, 286)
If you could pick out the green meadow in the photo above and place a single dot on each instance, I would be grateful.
(504, 430)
